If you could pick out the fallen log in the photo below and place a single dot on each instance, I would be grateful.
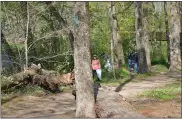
(111, 105)
(52, 82)
(21, 77)
(34, 74)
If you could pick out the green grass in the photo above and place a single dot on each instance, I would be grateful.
(108, 77)
(167, 92)
(123, 74)
(159, 68)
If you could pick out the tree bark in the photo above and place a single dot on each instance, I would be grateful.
(167, 31)
(142, 60)
(175, 30)
(146, 35)
(112, 40)
(85, 103)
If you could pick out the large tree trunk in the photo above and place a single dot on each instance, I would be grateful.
(175, 30)
(142, 60)
(85, 103)
(146, 35)
(167, 31)
(115, 38)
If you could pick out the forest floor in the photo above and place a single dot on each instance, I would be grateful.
(63, 104)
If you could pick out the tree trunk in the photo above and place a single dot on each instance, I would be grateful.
(146, 35)
(85, 103)
(142, 60)
(167, 31)
(175, 30)
(115, 38)
(26, 38)
(113, 34)
(25, 14)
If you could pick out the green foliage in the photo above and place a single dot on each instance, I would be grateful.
(108, 77)
(167, 92)
(49, 44)
(99, 31)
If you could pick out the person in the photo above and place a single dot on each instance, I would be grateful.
(136, 62)
(108, 62)
(133, 61)
(96, 67)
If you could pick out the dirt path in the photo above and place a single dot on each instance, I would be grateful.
(51, 106)
(132, 89)
(152, 107)
(63, 104)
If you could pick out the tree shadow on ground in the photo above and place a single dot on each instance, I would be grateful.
(119, 88)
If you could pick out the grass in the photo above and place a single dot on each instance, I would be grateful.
(168, 92)
(159, 68)
(123, 74)
(108, 77)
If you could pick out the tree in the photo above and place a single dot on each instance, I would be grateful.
(174, 37)
(116, 42)
(146, 34)
(140, 43)
(167, 31)
(26, 37)
(85, 105)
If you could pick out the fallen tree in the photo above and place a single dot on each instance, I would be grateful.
(111, 105)
(49, 80)
(21, 78)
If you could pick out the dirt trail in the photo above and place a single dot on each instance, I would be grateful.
(50, 106)
(152, 107)
(132, 89)
(63, 104)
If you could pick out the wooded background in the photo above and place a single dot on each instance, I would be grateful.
(42, 32)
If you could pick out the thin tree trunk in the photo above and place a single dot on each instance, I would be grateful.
(167, 31)
(142, 61)
(85, 103)
(175, 30)
(26, 38)
(112, 39)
